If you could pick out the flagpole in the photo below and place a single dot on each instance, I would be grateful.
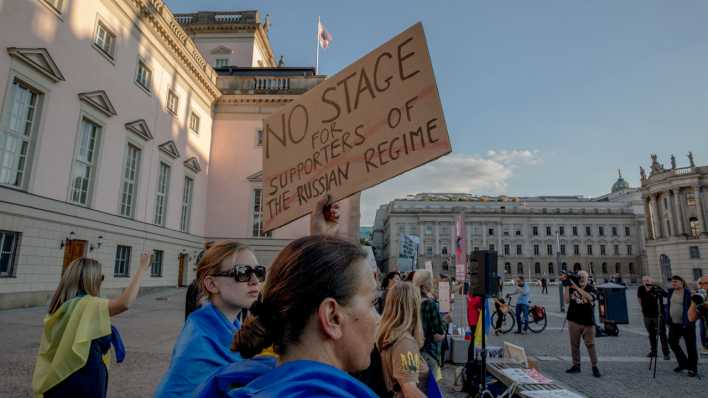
(317, 43)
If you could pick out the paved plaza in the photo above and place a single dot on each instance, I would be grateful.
(149, 330)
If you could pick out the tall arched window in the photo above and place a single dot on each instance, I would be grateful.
(507, 268)
(537, 268)
(604, 268)
(631, 268)
(444, 251)
(577, 267)
(550, 268)
(695, 228)
(618, 268)
(564, 267)
(520, 268)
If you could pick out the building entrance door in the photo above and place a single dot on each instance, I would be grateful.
(73, 249)
(182, 270)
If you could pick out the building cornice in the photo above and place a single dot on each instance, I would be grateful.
(255, 99)
(157, 16)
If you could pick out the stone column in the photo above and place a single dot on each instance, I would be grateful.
(484, 237)
(676, 212)
(655, 221)
(699, 209)
(421, 237)
(436, 244)
(683, 206)
(648, 220)
(670, 212)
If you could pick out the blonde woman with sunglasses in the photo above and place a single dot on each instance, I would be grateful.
(229, 278)
(77, 336)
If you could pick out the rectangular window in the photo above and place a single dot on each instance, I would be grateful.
(694, 252)
(85, 162)
(576, 250)
(122, 265)
(221, 63)
(575, 230)
(548, 231)
(491, 231)
(589, 250)
(506, 233)
(259, 137)
(163, 183)
(535, 231)
(491, 247)
(601, 231)
(9, 244)
(507, 250)
(536, 250)
(561, 231)
(626, 231)
(258, 213)
(130, 181)
(549, 250)
(104, 40)
(563, 250)
(156, 266)
(588, 231)
(194, 122)
(629, 250)
(172, 102)
(144, 77)
(518, 233)
(428, 229)
(614, 231)
(428, 250)
(186, 214)
(55, 4)
(616, 250)
(519, 250)
(697, 273)
(603, 250)
(21, 116)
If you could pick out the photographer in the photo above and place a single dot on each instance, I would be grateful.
(651, 300)
(580, 297)
(700, 298)
(681, 315)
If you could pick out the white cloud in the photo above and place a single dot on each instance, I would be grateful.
(457, 173)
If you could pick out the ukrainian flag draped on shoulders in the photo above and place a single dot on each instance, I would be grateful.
(202, 348)
(66, 340)
(258, 378)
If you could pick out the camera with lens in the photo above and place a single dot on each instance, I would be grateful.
(656, 291)
(699, 297)
(567, 278)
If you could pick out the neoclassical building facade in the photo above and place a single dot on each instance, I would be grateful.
(124, 129)
(676, 210)
(602, 235)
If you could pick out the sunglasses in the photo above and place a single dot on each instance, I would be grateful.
(242, 273)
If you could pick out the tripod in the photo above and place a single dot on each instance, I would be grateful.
(659, 325)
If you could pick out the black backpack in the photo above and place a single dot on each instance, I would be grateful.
(471, 377)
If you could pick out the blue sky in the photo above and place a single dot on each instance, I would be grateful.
(540, 97)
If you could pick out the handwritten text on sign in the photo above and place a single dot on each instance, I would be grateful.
(374, 120)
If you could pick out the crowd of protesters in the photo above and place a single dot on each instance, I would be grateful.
(315, 323)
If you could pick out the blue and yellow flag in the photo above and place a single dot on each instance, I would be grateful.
(67, 338)
(487, 324)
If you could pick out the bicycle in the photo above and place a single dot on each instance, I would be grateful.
(538, 320)
(508, 321)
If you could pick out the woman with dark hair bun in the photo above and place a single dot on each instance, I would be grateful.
(316, 310)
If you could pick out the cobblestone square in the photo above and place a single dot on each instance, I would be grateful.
(150, 328)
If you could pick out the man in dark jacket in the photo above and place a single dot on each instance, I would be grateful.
(680, 314)
(651, 299)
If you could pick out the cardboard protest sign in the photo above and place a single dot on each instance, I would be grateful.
(376, 119)
(444, 296)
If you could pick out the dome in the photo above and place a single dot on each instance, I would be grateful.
(620, 184)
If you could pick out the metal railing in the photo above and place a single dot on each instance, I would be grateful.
(266, 84)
